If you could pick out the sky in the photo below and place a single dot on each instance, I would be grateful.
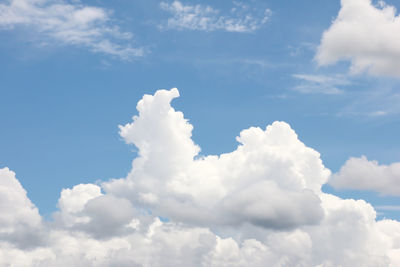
(227, 133)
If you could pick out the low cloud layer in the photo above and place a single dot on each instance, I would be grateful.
(362, 174)
(365, 34)
(259, 205)
(66, 23)
(241, 18)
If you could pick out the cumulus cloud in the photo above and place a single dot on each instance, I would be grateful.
(272, 165)
(259, 205)
(366, 35)
(69, 24)
(362, 174)
(20, 222)
(242, 18)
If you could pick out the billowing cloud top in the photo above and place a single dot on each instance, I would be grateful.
(259, 205)
(366, 35)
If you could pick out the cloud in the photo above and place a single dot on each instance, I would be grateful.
(366, 35)
(362, 174)
(20, 222)
(320, 84)
(374, 103)
(69, 24)
(242, 18)
(211, 188)
(259, 205)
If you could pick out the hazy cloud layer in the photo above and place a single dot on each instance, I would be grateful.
(241, 18)
(259, 205)
(67, 23)
(362, 174)
(365, 34)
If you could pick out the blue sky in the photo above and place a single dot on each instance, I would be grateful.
(66, 88)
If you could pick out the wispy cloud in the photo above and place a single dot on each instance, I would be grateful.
(70, 24)
(241, 18)
(320, 84)
(380, 100)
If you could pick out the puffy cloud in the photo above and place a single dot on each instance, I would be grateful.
(69, 24)
(72, 203)
(362, 174)
(85, 208)
(206, 18)
(20, 222)
(259, 205)
(366, 35)
(271, 179)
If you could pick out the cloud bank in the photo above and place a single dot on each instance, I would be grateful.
(367, 35)
(241, 18)
(259, 205)
(64, 23)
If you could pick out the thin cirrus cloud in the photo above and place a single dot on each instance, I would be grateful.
(365, 34)
(70, 24)
(363, 174)
(259, 205)
(320, 84)
(241, 17)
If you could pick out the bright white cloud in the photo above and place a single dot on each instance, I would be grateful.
(242, 18)
(362, 174)
(259, 205)
(72, 202)
(20, 222)
(272, 165)
(69, 24)
(367, 35)
(320, 84)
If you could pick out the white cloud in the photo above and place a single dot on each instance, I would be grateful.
(211, 188)
(362, 174)
(205, 18)
(260, 205)
(72, 202)
(320, 84)
(366, 35)
(69, 24)
(20, 222)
